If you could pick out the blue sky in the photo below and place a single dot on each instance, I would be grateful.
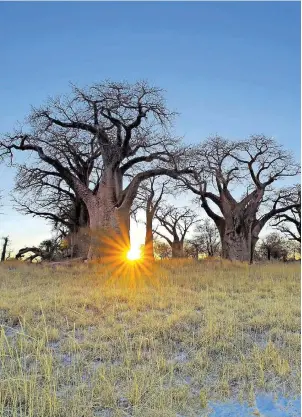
(231, 68)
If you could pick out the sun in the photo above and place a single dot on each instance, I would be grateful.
(134, 254)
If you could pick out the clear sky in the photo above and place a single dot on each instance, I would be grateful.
(231, 68)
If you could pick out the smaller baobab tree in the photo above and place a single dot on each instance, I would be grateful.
(149, 197)
(273, 246)
(40, 193)
(289, 223)
(175, 222)
(224, 170)
(206, 239)
(162, 249)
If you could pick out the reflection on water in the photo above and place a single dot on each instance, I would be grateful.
(266, 406)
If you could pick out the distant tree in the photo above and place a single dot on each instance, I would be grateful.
(191, 249)
(4, 248)
(162, 250)
(274, 246)
(289, 223)
(9, 256)
(176, 223)
(150, 194)
(254, 164)
(48, 246)
(206, 238)
(293, 249)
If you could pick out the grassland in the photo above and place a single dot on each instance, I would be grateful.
(81, 343)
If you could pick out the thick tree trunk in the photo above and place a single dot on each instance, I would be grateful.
(237, 249)
(236, 235)
(149, 247)
(236, 245)
(177, 249)
(109, 229)
(238, 228)
(109, 216)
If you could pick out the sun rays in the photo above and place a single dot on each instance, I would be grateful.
(124, 265)
(134, 254)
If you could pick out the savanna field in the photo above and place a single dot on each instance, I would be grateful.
(171, 340)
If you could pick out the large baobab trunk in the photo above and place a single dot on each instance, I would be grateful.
(109, 218)
(236, 239)
(236, 248)
(109, 226)
(177, 249)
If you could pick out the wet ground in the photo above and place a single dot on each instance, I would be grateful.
(266, 406)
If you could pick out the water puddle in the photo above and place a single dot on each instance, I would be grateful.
(266, 406)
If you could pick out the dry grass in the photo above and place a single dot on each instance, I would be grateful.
(80, 343)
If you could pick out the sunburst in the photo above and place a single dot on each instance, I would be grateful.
(134, 254)
(122, 263)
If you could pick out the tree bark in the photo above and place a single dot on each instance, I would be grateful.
(253, 245)
(109, 228)
(177, 249)
(109, 216)
(236, 239)
(236, 227)
(236, 248)
(79, 244)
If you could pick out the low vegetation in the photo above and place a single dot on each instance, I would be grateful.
(82, 342)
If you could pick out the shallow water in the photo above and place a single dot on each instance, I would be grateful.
(266, 405)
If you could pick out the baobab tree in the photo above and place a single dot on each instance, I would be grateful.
(39, 193)
(274, 246)
(176, 223)
(50, 200)
(206, 239)
(162, 249)
(226, 167)
(116, 126)
(150, 194)
(289, 223)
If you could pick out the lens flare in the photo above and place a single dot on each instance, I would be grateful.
(134, 254)
(123, 264)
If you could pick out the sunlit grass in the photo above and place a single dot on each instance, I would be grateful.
(153, 340)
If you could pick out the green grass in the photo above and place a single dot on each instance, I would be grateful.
(81, 343)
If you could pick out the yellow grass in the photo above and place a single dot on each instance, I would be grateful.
(81, 343)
